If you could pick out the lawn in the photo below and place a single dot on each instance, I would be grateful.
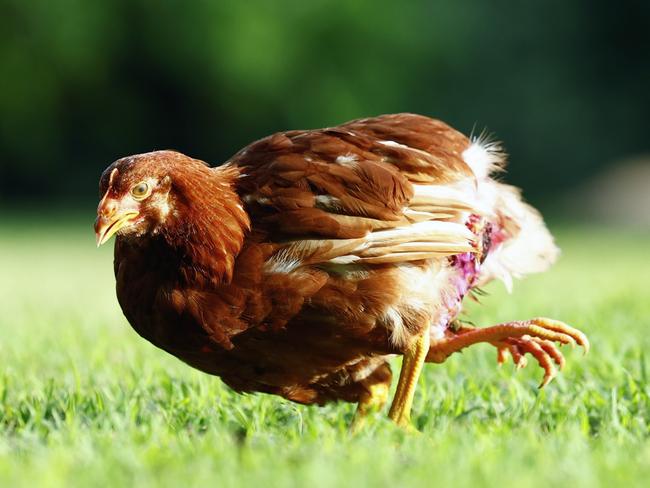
(86, 402)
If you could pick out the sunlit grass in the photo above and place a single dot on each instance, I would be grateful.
(85, 401)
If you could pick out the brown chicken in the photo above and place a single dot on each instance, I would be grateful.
(305, 262)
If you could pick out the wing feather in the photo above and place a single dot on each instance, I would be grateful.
(388, 189)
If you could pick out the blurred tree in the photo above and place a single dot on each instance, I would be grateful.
(564, 84)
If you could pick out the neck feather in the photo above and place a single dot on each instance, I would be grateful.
(208, 224)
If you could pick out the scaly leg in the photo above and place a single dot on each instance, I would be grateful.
(400, 409)
(535, 336)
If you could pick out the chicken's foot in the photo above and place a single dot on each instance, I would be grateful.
(536, 337)
(414, 358)
(371, 401)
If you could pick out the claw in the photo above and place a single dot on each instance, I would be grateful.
(545, 352)
(501, 355)
(522, 363)
(537, 337)
(541, 346)
(542, 358)
(517, 357)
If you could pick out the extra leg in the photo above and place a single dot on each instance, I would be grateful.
(372, 389)
(371, 401)
(536, 337)
(414, 358)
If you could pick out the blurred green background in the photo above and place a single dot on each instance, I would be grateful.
(564, 84)
(84, 401)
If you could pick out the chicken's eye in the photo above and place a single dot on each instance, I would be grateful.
(140, 191)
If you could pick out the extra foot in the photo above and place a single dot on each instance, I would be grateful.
(372, 401)
(538, 337)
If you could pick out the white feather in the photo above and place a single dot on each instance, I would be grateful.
(484, 157)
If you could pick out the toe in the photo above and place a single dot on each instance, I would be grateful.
(552, 350)
(541, 356)
(562, 328)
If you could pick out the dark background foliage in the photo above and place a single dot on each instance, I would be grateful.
(563, 83)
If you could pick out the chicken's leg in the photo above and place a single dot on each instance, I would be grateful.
(371, 401)
(400, 409)
(536, 336)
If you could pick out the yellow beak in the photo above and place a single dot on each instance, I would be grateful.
(105, 227)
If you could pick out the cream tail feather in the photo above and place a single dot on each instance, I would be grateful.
(528, 246)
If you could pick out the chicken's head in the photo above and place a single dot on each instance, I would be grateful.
(135, 195)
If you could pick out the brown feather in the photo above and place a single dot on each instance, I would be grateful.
(298, 266)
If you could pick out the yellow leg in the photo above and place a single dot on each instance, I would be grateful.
(372, 401)
(400, 409)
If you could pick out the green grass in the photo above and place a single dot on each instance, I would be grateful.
(85, 401)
